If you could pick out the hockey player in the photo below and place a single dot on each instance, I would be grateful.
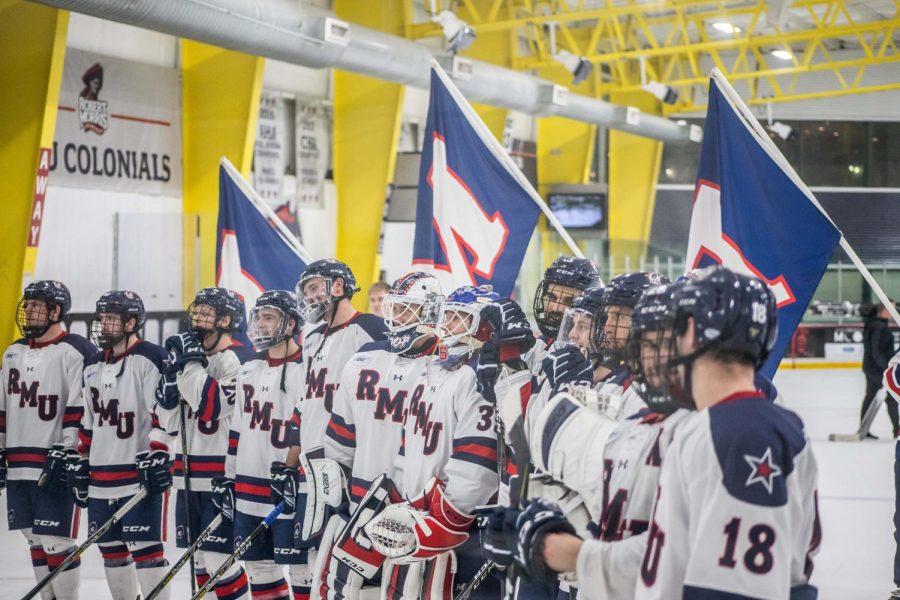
(741, 468)
(336, 331)
(448, 463)
(891, 382)
(563, 282)
(377, 386)
(122, 448)
(606, 564)
(40, 409)
(203, 369)
(266, 390)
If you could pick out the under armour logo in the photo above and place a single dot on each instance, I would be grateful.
(29, 369)
(107, 386)
(398, 377)
(264, 388)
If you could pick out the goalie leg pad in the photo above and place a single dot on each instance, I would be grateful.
(402, 581)
(352, 547)
(569, 443)
(325, 488)
(439, 576)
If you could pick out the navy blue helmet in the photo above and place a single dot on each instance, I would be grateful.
(620, 296)
(581, 320)
(225, 302)
(313, 300)
(648, 346)
(34, 321)
(124, 303)
(265, 334)
(552, 296)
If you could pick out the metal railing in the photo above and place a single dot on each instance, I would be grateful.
(157, 326)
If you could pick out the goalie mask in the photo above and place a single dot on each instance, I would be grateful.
(270, 319)
(460, 328)
(620, 296)
(118, 316)
(729, 314)
(213, 312)
(315, 288)
(563, 282)
(412, 309)
(36, 311)
(581, 322)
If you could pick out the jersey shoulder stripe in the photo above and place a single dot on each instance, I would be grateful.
(756, 443)
(155, 354)
(88, 351)
(373, 325)
(376, 345)
(243, 353)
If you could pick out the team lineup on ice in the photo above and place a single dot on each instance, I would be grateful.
(631, 448)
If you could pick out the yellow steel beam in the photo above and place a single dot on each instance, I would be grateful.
(220, 107)
(33, 45)
(367, 118)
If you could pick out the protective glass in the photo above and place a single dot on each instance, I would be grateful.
(313, 297)
(268, 327)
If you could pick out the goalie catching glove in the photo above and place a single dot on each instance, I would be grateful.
(420, 529)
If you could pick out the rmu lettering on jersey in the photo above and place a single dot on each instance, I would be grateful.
(753, 216)
(474, 215)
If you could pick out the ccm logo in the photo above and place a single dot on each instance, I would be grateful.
(217, 540)
(46, 523)
(286, 551)
(136, 528)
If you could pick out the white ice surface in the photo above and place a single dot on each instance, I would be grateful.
(856, 500)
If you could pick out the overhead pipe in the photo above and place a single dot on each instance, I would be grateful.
(301, 34)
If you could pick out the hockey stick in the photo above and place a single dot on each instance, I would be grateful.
(866, 422)
(239, 551)
(186, 476)
(189, 554)
(117, 516)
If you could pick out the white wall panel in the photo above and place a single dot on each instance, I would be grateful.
(294, 79)
(122, 41)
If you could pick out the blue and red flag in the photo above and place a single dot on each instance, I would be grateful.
(253, 253)
(476, 211)
(754, 215)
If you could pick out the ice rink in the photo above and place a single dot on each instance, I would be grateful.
(855, 491)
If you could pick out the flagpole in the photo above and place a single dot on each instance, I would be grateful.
(488, 138)
(776, 155)
(266, 211)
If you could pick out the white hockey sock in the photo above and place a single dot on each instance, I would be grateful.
(233, 585)
(301, 581)
(38, 562)
(151, 566)
(120, 572)
(267, 580)
(65, 585)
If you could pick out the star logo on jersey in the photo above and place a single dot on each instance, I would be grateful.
(763, 470)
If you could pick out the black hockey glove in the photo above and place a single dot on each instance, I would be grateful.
(283, 485)
(2, 470)
(154, 470)
(497, 527)
(167, 394)
(539, 518)
(187, 348)
(223, 496)
(511, 331)
(53, 476)
(78, 476)
(565, 365)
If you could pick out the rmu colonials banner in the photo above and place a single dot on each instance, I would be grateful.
(118, 126)
(751, 216)
(474, 217)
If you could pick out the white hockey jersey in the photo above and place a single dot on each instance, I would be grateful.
(449, 433)
(608, 566)
(366, 426)
(326, 352)
(118, 421)
(261, 427)
(891, 379)
(209, 393)
(736, 512)
(40, 399)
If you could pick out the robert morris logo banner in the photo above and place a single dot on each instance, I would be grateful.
(118, 126)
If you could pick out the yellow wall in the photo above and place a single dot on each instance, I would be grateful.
(633, 171)
(367, 117)
(220, 99)
(32, 44)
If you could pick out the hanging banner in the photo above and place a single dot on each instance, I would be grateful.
(118, 127)
(312, 154)
(270, 149)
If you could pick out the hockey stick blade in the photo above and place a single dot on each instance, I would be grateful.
(117, 516)
(167, 578)
(239, 551)
(844, 437)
